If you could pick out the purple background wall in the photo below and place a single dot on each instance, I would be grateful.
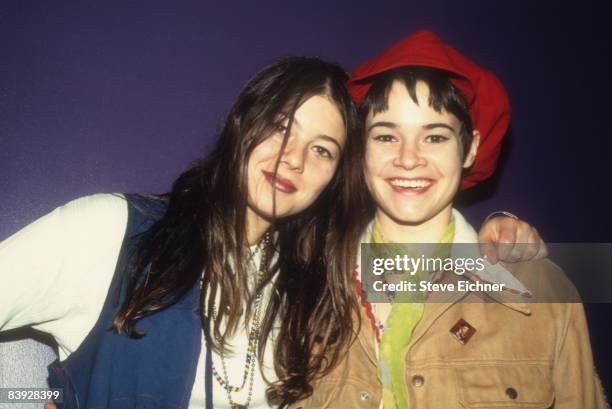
(121, 96)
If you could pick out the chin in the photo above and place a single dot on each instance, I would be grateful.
(410, 220)
(281, 212)
(404, 217)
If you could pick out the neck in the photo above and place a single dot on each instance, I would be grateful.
(428, 231)
(256, 226)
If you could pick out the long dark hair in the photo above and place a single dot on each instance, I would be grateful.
(203, 232)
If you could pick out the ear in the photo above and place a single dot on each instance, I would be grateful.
(471, 156)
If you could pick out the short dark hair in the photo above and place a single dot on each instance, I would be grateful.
(442, 95)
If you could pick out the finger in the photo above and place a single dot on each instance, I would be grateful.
(518, 253)
(50, 406)
(532, 245)
(506, 241)
(489, 252)
(531, 250)
(534, 236)
(488, 232)
(486, 242)
(508, 253)
(523, 232)
(520, 249)
(542, 251)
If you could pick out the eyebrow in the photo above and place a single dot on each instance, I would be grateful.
(393, 125)
(321, 136)
(383, 124)
(330, 139)
(439, 125)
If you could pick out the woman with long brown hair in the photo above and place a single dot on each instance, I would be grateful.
(229, 290)
(224, 220)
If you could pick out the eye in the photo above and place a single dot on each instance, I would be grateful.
(323, 152)
(436, 138)
(281, 128)
(384, 138)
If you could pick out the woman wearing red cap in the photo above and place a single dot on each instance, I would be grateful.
(434, 122)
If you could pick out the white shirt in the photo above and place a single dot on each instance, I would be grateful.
(56, 272)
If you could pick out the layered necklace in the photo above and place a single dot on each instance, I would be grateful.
(253, 335)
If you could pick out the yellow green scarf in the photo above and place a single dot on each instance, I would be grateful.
(400, 324)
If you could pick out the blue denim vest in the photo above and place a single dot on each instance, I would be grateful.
(154, 372)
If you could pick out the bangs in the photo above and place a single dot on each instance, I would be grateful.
(443, 96)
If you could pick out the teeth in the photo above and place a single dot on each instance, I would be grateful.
(410, 183)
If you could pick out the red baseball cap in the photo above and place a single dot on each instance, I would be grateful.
(486, 97)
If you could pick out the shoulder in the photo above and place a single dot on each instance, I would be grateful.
(103, 205)
(546, 281)
(147, 206)
(111, 209)
(102, 213)
(60, 266)
(99, 213)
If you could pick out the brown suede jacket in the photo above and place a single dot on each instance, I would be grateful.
(516, 354)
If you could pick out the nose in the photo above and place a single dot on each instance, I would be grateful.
(409, 155)
(294, 155)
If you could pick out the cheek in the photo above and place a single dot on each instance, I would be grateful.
(370, 161)
(260, 159)
(322, 177)
(266, 150)
(454, 168)
(449, 162)
(369, 152)
(370, 173)
(375, 161)
(263, 157)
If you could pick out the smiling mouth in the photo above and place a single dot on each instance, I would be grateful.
(281, 184)
(411, 186)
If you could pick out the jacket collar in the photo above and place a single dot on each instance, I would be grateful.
(515, 293)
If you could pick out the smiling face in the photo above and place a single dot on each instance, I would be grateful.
(414, 159)
(306, 166)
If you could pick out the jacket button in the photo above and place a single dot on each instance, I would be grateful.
(418, 380)
(512, 393)
(364, 396)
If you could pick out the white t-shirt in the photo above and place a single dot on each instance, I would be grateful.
(56, 272)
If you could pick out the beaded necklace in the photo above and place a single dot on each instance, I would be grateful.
(251, 353)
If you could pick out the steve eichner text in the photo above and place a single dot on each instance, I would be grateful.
(426, 286)
(405, 263)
